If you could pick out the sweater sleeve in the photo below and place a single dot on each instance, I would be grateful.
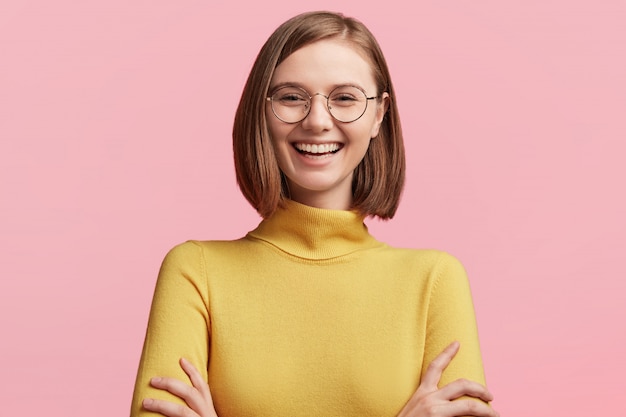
(178, 325)
(451, 317)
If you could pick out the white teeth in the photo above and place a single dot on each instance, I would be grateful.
(317, 148)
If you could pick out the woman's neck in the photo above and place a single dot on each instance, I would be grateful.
(333, 199)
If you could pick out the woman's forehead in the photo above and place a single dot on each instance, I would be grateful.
(325, 63)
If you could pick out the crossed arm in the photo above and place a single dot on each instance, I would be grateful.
(427, 401)
(180, 304)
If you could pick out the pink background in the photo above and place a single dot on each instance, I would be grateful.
(115, 121)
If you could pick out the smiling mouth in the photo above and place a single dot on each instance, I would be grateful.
(318, 150)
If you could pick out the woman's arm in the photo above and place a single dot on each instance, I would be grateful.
(178, 326)
(197, 396)
(432, 401)
(451, 318)
(428, 400)
(453, 380)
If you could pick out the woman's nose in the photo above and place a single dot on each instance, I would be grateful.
(319, 118)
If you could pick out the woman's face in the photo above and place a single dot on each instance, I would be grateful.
(321, 175)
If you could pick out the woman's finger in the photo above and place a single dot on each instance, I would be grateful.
(168, 409)
(428, 388)
(461, 387)
(465, 408)
(437, 366)
(191, 395)
(201, 402)
(174, 386)
(196, 379)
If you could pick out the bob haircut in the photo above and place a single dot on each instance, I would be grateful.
(379, 177)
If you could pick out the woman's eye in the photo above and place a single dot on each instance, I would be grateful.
(343, 99)
(291, 98)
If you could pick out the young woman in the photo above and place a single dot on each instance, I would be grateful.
(309, 315)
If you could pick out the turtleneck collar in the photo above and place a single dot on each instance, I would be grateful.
(314, 233)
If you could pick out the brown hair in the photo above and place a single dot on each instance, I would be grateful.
(377, 180)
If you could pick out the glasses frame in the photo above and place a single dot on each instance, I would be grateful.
(327, 97)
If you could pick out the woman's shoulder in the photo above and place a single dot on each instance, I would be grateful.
(194, 247)
(430, 256)
(432, 263)
(195, 250)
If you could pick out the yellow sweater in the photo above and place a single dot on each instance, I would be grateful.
(308, 315)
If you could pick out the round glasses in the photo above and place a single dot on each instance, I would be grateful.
(345, 103)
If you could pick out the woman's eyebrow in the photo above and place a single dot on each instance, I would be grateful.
(286, 84)
(275, 87)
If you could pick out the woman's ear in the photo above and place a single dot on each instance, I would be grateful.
(382, 105)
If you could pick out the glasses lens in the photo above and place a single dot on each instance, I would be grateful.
(290, 104)
(347, 103)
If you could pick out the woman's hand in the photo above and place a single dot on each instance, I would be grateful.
(430, 401)
(197, 396)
